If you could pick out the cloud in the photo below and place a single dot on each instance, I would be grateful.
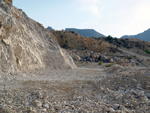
(91, 22)
(135, 19)
(94, 10)
(103, 8)
(90, 1)
(92, 7)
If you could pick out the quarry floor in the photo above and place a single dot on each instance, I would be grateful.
(90, 88)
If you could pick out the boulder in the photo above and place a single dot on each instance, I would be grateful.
(76, 57)
(89, 59)
(105, 59)
(93, 56)
(111, 60)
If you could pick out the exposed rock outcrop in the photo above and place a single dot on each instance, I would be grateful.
(8, 2)
(26, 44)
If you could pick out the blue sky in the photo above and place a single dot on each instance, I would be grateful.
(109, 17)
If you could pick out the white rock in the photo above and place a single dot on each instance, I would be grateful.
(148, 95)
(115, 106)
(111, 110)
(37, 103)
(45, 105)
(123, 108)
(134, 80)
(141, 93)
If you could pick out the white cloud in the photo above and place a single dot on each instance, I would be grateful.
(119, 17)
(94, 10)
(90, 1)
(103, 7)
(91, 22)
(92, 7)
(138, 18)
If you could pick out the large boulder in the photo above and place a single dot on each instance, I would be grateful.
(26, 45)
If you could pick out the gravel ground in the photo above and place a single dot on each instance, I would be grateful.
(87, 89)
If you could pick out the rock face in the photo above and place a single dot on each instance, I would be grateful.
(26, 44)
(8, 2)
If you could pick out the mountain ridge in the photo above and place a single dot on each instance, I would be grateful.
(49, 28)
(86, 32)
(145, 36)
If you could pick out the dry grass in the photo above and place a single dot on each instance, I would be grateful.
(108, 65)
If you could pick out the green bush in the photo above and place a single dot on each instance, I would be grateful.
(109, 38)
(117, 45)
(128, 47)
(129, 57)
(100, 63)
(73, 32)
(123, 40)
(147, 51)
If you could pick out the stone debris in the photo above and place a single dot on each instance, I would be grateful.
(118, 58)
(27, 47)
(115, 93)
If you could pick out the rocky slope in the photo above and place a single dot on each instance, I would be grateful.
(142, 36)
(26, 44)
(132, 44)
(91, 88)
(125, 52)
(71, 40)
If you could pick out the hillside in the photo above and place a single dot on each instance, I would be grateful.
(26, 45)
(142, 36)
(72, 40)
(38, 76)
(125, 52)
(133, 44)
(86, 32)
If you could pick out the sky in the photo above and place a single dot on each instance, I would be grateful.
(109, 17)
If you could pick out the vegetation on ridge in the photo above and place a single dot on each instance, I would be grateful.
(72, 40)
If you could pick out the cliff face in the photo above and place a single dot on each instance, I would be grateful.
(8, 2)
(26, 44)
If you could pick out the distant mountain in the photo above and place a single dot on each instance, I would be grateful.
(142, 36)
(49, 28)
(86, 32)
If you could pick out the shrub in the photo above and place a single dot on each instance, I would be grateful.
(117, 45)
(123, 40)
(108, 65)
(118, 42)
(109, 38)
(72, 32)
(129, 57)
(128, 47)
(147, 51)
(100, 63)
